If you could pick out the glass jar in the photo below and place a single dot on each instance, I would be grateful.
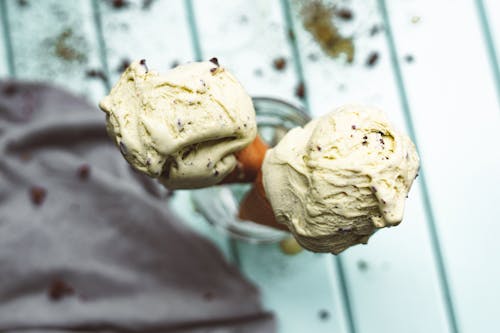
(219, 205)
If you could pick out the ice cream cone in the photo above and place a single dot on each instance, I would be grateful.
(255, 207)
(249, 163)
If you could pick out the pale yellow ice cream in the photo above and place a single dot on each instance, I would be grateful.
(340, 178)
(182, 127)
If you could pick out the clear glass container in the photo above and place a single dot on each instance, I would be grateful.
(219, 204)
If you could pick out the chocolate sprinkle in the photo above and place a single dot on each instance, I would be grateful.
(38, 195)
(215, 61)
(344, 13)
(143, 62)
(300, 90)
(372, 59)
(59, 289)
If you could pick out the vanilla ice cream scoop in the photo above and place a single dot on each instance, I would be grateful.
(340, 178)
(182, 127)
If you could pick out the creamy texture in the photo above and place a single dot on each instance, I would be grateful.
(182, 127)
(340, 178)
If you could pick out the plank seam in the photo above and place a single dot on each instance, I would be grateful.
(435, 242)
(299, 70)
(490, 45)
(344, 289)
(101, 42)
(7, 38)
(193, 29)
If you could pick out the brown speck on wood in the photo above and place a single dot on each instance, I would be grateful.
(83, 172)
(216, 173)
(279, 63)
(300, 90)
(374, 30)
(215, 61)
(372, 59)
(97, 74)
(409, 58)
(324, 314)
(38, 194)
(59, 289)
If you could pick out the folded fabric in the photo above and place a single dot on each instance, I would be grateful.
(88, 244)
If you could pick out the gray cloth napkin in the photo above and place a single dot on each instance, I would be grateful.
(89, 245)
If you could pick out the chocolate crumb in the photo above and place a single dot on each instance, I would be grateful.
(365, 137)
(38, 194)
(123, 65)
(300, 90)
(382, 141)
(372, 59)
(9, 89)
(364, 143)
(324, 314)
(119, 4)
(213, 70)
(383, 201)
(143, 62)
(409, 58)
(353, 127)
(208, 296)
(362, 265)
(83, 172)
(279, 63)
(374, 189)
(146, 4)
(97, 73)
(374, 30)
(59, 289)
(344, 13)
(416, 176)
(318, 147)
(215, 61)
(216, 173)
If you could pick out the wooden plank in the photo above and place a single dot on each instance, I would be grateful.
(247, 37)
(160, 34)
(489, 15)
(394, 277)
(56, 41)
(451, 95)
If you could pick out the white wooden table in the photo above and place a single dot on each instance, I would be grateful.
(437, 272)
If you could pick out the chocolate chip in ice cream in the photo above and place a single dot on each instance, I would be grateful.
(344, 13)
(279, 63)
(215, 61)
(372, 59)
(300, 90)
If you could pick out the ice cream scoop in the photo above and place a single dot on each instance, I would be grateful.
(182, 127)
(337, 180)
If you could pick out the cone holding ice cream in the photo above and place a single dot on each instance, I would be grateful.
(332, 183)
